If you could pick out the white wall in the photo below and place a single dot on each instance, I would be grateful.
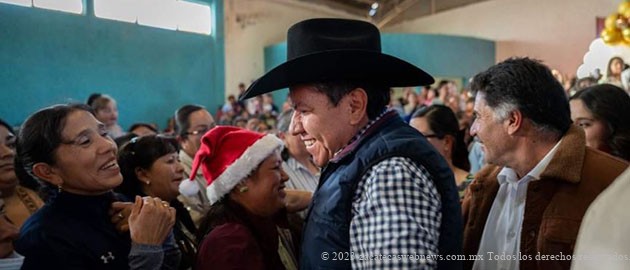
(267, 23)
(555, 31)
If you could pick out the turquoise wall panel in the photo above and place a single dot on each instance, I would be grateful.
(49, 57)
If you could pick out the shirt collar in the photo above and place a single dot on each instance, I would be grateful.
(509, 175)
(350, 146)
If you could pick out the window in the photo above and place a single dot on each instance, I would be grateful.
(25, 3)
(167, 14)
(72, 6)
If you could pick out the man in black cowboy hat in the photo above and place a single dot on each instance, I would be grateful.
(386, 199)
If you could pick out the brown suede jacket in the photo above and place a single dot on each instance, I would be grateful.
(554, 206)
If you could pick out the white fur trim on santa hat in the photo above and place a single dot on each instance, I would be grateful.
(242, 167)
(189, 187)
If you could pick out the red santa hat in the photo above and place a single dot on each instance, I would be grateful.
(226, 156)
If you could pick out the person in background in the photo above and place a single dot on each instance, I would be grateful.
(603, 111)
(439, 125)
(540, 178)
(384, 189)
(150, 167)
(106, 111)
(613, 72)
(297, 163)
(9, 259)
(191, 123)
(76, 160)
(143, 129)
(19, 202)
(246, 227)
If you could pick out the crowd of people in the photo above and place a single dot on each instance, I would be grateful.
(340, 175)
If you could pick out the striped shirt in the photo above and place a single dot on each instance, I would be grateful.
(299, 176)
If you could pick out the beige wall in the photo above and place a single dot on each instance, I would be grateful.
(556, 31)
(260, 23)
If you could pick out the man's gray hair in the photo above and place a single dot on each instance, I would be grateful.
(284, 121)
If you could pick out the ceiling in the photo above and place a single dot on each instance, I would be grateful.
(390, 12)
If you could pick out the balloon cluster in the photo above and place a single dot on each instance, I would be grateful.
(617, 26)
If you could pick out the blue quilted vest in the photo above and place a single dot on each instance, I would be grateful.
(328, 223)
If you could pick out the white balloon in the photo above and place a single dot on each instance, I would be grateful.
(598, 56)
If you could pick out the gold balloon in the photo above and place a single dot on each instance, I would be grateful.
(611, 36)
(611, 21)
(621, 23)
(626, 34)
(623, 7)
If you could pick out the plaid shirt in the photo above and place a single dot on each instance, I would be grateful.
(395, 213)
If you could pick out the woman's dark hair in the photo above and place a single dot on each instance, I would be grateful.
(122, 140)
(41, 135)
(6, 125)
(141, 152)
(442, 122)
(378, 95)
(93, 97)
(182, 119)
(611, 105)
(137, 125)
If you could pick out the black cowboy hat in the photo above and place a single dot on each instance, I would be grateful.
(324, 50)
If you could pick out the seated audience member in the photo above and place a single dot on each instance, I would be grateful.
(105, 111)
(440, 126)
(613, 72)
(604, 238)
(529, 201)
(603, 111)
(475, 156)
(298, 163)
(19, 202)
(150, 167)
(73, 230)
(245, 227)
(192, 122)
(9, 259)
(143, 129)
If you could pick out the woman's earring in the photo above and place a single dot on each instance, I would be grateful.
(243, 189)
(59, 189)
(148, 183)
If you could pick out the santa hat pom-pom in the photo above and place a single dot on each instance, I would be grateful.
(188, 187)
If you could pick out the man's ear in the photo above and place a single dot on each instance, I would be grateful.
(47, 173)
(514, 122)
(357, 101)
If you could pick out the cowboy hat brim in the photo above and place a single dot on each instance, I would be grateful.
(336, 65)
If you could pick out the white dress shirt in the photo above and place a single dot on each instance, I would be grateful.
(501, 239)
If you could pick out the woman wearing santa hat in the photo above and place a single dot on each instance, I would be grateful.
(246, 227)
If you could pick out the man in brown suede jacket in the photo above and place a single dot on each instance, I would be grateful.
(524, 209)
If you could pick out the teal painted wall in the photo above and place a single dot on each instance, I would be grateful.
(439, 55)
(49, 57)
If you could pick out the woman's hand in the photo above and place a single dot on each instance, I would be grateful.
(150, 221)
(119, 213)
